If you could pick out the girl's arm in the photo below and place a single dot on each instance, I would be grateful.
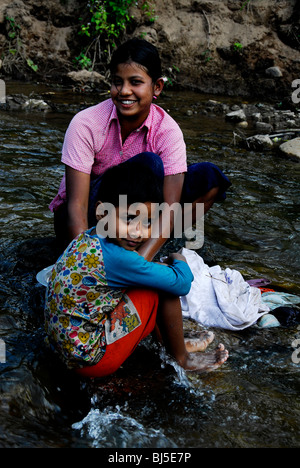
(124, 268)
(172, 194)
(77, 187)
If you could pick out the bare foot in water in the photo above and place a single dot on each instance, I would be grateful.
(207, 362)
(200, 343)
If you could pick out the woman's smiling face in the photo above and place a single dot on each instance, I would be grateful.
(132, 91)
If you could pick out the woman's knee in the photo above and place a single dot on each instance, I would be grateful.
(151, 160)
(204, 181)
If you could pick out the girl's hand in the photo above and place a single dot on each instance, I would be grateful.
(177, 256)
(168, 260)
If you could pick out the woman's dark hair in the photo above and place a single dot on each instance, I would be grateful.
(135, 180)
(141, 52)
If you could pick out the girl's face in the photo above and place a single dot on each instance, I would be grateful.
(133, 225)
(128, 226)
(132, 91)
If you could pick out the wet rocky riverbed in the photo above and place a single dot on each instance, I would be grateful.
(252, 401)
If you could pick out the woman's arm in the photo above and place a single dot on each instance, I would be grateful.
(172, 194)
(78, 188)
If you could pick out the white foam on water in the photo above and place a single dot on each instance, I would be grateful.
(111, 427)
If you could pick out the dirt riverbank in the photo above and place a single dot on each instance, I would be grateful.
(237, 48)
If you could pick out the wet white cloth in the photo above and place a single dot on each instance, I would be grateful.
(220, 298)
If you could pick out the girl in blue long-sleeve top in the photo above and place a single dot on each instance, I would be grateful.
(103, 297)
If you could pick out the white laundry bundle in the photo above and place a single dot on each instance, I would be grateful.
(220, 298)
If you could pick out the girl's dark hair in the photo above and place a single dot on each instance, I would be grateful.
(135, 180)
(141, 52)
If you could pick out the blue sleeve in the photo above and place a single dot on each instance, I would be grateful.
(125, 268)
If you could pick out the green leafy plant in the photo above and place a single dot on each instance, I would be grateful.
(13, 27)
(206, 55)
(32, 65)
(237, 47)
(83, 61)
(149, 11)
(16, 55)
(104, 26)
(246, 3)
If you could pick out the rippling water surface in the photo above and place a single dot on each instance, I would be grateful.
(252, 401)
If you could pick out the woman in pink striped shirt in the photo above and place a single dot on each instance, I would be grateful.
(129, 125)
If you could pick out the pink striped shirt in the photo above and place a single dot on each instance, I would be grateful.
(93, 142)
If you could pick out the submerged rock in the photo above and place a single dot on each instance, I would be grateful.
(274, 72)
(22, 102)
(258, 142)
(263, 127)
(36, 104)
(236, 116)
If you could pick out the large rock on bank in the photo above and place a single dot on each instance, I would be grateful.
(291, 148)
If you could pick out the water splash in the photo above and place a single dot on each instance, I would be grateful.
(113, 428)
(180, 377)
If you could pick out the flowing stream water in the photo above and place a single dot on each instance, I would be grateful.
(252, 401)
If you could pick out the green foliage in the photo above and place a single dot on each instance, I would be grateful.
(83, 61)
(206, 56)
(104, 26)
(32, 65)
(13, 27)
(107, 17)
(246, 3)
(16, 53)
(237, 47)
(148, 11)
